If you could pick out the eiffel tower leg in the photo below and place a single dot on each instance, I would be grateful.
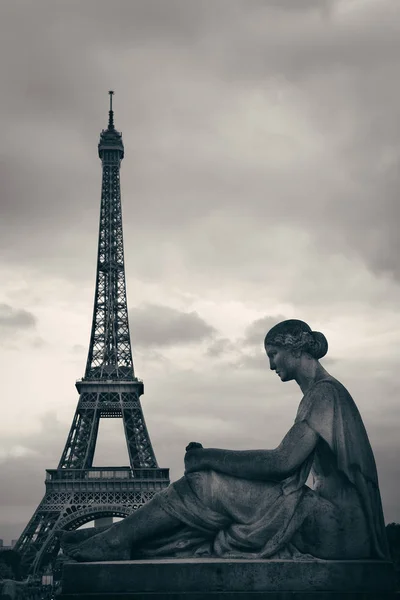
(141, 453)
(81, 443)
(37, 535)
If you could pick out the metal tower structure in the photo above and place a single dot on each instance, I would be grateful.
(77, 492)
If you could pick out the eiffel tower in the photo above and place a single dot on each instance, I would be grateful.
(77, 492)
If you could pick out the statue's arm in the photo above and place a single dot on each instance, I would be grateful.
(275, 464)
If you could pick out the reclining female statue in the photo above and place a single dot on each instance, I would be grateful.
(255, 503)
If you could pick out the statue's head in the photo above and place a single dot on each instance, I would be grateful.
(291, 342)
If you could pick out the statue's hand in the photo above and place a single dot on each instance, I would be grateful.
(194, 458)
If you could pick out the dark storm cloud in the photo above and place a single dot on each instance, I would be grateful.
(13, 319)
(156, 325)
(180, 68)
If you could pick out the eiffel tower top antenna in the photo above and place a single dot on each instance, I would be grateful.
(111, 112)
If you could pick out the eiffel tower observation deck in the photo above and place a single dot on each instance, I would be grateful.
(77, 492)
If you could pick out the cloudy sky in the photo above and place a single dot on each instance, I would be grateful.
(260, 182)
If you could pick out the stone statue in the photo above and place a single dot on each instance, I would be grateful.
(255, 503)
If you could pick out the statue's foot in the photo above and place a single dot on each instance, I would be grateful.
(69, 540)
(79, 535)
(105, 546)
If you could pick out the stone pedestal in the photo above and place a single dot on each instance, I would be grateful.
(214, 579)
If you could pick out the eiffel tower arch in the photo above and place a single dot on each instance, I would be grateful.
(77, 492)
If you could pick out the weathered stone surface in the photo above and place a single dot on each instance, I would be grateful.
(237, 579)
(237, 596)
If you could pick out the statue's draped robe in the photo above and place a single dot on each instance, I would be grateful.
(231, 517)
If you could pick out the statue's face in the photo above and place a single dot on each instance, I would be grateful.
(282, 361)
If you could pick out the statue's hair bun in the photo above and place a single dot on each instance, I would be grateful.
(320, 346)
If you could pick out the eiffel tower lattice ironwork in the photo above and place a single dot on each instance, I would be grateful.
(77, 492)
